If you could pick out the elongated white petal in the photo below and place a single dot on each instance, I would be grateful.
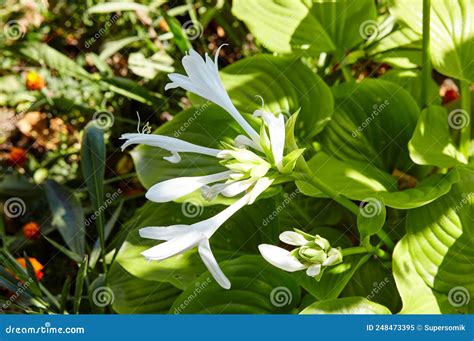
(174, 246)
(211, 264)
(280, 258)
(260, 186)
(313, 270)
(276, 128)
(176, 188)
(334, 256)
(171, 144)
(292, 238)
(203, 80)
(237, 187)
(163, 232)
(242, 141)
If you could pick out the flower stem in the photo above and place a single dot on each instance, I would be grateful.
(327, 190)
(466, 108)
(357, 250)
(343, 201)
(426, 61)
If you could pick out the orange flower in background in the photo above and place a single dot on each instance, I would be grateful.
(37, 266)
(17, 156)
(34, 81)
(31, 230)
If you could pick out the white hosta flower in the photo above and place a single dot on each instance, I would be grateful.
(203, 80)
(180, 238)
(314, 254)
(251, 164)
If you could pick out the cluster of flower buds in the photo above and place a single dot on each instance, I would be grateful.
(313, 253)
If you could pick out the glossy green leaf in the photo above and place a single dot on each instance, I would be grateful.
(361, 181)
(451, 33)
(93, 169)
(431, 143)
(436, 254)
(257, 288)
(411, 81)
(346, 305)
(308, 27)
(67, 216)
(132, 295)
(373, 123)
(284, 26)
(374, 281)
(371, 217)
(241, 234)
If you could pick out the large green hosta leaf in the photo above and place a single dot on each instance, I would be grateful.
(411, 81)
(374, 281)
(360, 181)
(241, 234)
(307, 26)
(431, 143)
(373, 122)
(434, 262)
(257, 288)
(346, 305)
(366, 141)
(132, 295)
(451, 33)
(285, 84)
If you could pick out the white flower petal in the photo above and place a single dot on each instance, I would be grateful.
(176, 188)
(174, 246)
(333, 256)
(163, 232)
(260, 186)
(292, 238)
(314, 270)
(237, 187)
(211, 264)
(173, 158)
(242, 141)
(171, 144)
(203, 80)
(280, 258)
(276, 129)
